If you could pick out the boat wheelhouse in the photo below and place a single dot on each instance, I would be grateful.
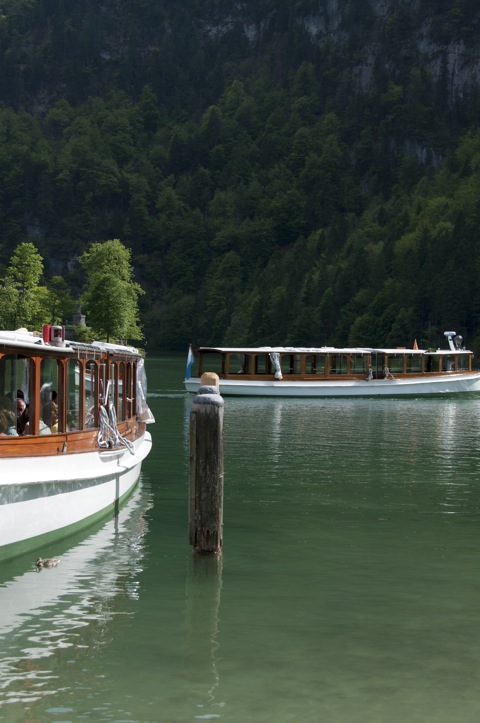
(332, 371)
(72, 434)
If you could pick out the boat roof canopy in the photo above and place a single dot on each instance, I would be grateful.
(23, 339)
(328, 350)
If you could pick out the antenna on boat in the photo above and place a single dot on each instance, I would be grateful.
(452, 336)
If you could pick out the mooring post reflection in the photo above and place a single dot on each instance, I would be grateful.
(202, 604)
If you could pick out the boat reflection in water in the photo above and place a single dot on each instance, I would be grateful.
(47, 613)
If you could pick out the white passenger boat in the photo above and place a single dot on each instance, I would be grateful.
(336, 372)
(72, 434)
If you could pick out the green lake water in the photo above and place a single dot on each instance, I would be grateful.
(348, 590)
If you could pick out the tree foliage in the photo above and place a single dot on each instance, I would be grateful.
(302, 172)
(21, 293)
(111, 295)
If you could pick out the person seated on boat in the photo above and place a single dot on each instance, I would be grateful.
(3, 423)
(8, 427)
(22, 415)
(369, 374)
(6, 402)
(7, 405)
(49, 419)
(54, 417)
(12, 423)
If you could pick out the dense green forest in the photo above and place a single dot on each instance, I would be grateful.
(282, 172)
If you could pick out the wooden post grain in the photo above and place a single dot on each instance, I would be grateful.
(205, 522)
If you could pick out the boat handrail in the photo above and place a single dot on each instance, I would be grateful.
(108, 435)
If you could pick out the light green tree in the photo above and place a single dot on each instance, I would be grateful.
(9, 297)
(111, 295)
(20, 293)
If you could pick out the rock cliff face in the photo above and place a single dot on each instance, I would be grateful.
(441, 36)
(441, 40)
(48, 47)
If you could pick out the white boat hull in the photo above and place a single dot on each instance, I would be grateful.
(55, 495)
(448, 384)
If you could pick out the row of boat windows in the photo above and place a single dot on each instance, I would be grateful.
(309, 364)
(73, 388)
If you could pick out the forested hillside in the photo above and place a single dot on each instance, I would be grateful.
(283, 172)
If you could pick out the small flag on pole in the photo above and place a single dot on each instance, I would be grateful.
(190, 362)
(415, 345)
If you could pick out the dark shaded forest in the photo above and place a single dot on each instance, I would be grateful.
(283, 172)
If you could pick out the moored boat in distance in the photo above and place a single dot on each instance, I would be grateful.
(336, 372)
(72, 435)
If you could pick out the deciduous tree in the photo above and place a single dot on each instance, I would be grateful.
(20, 291)
(111, 295)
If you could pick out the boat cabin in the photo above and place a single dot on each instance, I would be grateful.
(308, 364)
(59, 387)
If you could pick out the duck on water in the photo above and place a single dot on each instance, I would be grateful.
(47, 562)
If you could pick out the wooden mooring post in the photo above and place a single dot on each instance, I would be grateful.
(205, 515)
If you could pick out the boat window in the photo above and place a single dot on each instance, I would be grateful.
(448, 363)
(262, 365)
(413, 363)
(214, 361)
(358, 364)
(310, 364)
(112, 387)
(73, 395)
(117, 382)
(462, 362)
(286, 363)
(102, 381)
(121, 388)
(290, 363)
(14, 382)
(91, 394)
(14, 376)
(395, 363)
(239, 364)
(432, 363)
(48, 396)
(338, 363)
(130, 390)
(315, 364)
